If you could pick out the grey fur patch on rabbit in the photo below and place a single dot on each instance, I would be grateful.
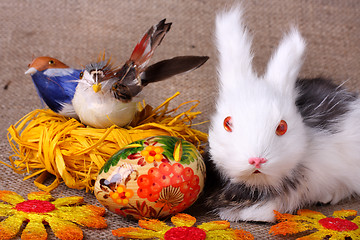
(322, 103)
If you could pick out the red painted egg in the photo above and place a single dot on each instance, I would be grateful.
(154, 177)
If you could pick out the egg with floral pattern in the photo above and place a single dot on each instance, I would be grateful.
(154, 178)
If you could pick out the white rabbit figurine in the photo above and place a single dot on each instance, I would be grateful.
(276, 142)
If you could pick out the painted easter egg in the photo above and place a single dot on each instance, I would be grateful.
(154, 177)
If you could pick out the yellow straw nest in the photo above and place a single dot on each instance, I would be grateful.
(45, 143)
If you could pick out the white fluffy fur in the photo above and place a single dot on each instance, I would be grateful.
(234, 61)
(256, 105)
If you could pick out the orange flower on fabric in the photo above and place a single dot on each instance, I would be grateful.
(121, 195)
(60, 214)
(183, 227)
(152, 153)
(338, 226)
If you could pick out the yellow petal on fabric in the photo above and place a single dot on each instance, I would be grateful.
(310, 213)
(319, 235)
(83, 215)
(44, 196)
(214, 225)
(94, 210)
(280, 217)
(354, 234)
(34, 230)
(137, 233)
(243, 235)
(221, 235)
(85, 209)
(10, 227)
(11, 197)
(66, 201)
(356, 220)
(6, 209)
(284, 228)
(65, 230)
(344, 213)
(154, 224)
(183, 220)
(229, 234)
(91, 221)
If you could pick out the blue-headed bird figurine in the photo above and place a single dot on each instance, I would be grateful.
(55, 83)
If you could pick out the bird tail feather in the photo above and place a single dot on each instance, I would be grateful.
(170, 67)
(145, 48)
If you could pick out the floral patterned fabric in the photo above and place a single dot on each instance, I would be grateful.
(60, 214)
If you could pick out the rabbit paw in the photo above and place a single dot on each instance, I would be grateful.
(259, 212)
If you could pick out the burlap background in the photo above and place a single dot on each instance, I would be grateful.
(76, 31)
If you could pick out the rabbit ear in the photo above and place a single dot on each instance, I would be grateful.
(285, 64)
(234, 45)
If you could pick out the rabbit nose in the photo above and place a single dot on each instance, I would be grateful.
(257, 161)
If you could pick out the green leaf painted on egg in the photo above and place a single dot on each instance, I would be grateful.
(189, 152)
(168, 144)
(132, 148)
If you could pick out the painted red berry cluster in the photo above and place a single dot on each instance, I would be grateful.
(183, 182)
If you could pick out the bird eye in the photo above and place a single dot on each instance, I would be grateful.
(281, 128)
(51, 62)
(228, 124)
(81, 75)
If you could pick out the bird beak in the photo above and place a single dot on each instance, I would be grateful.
(31, 71)
(97, 87)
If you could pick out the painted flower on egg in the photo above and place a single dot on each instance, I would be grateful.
(121, 195)
(154, 177)
(151, 154)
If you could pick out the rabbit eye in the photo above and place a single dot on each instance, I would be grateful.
(51, 62)
(81, 75)
(228, 124)
(282, 128)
